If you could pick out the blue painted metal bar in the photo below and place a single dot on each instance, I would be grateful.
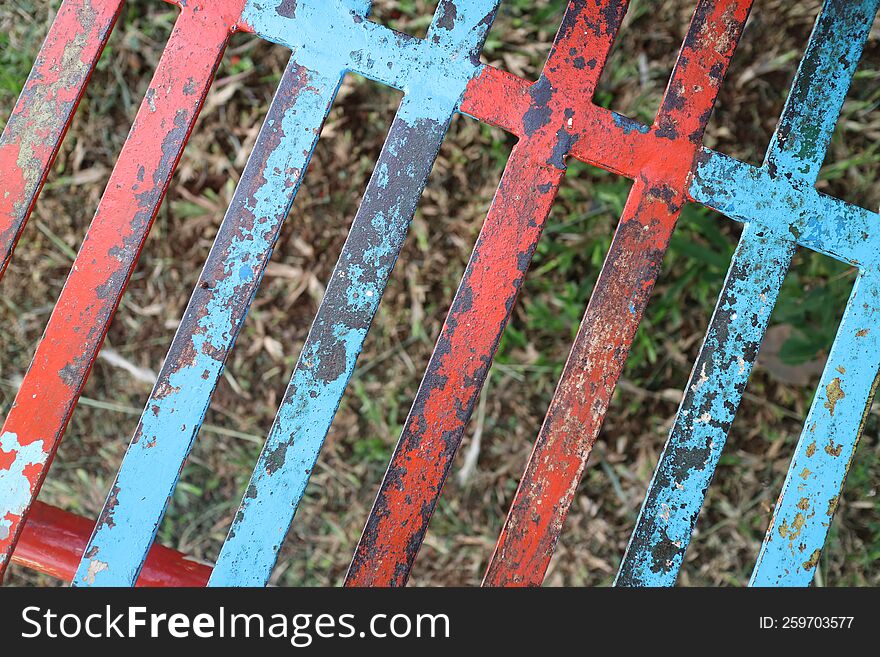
(711, 399)
(336, 338)
(781, 209)
(213, 318)
(799, 213)
(177, 406)
(815, 479)
(432, 68)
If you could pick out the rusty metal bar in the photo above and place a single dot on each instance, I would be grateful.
(458, 367)
(176, 408)
(433, 73)
(39, 120)
(543, 118)
(781, 209)
(94, 287)
(618, 302)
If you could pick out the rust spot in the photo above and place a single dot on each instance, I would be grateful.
(783, 529)
(810, 563)
(831, 449)
(834, 393)
(796, 526)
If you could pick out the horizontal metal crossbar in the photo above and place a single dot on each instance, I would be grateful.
(52, 542)
(553, 118)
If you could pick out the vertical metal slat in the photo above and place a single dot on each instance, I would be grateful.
(94, 287)
(33, 134)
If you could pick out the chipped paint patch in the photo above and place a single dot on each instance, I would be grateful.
(834, 394)
(95, 566)
(15, 484)
(811, 563)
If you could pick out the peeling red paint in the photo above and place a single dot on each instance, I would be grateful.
(572, 423)
(554, 117)
(109, 253)
(40, 118)
(550, 116)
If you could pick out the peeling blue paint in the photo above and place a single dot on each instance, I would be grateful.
(437, 71)
(177, 406)
(781, 209)
(14, 485)
(826, 446)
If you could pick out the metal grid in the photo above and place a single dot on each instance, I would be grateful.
(553, 118)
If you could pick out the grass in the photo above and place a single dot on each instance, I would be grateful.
(535, 345)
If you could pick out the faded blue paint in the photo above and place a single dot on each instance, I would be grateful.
(179, 401)
(433, 74)
(781, 208)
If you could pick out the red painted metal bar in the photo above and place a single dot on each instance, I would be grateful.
(79, 322)
(52, 542)
(572, 423)
(36, 127)
(548, 116)
(658, 158)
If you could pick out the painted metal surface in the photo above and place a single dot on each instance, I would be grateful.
(432, 73)
(781, 209)
(553, 118)
(76, 329)
(548, 116)
(799, 527)
(36, 127)
(52, 542)
(206, 334)
(618, 302)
